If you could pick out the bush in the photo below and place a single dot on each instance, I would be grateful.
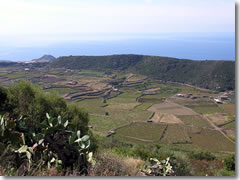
(229, 162)
(3, 99)
(159, 168)
(29, 101)
(202, 154)
(78, 117)
(181, 165)
(56, 145)
(24, 125)
(224, 172)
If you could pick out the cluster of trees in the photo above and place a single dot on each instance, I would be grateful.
(40, 130)
(32, 103)
(218, 75)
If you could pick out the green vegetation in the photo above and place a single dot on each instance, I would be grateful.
(57, 144)
(200, 155)
(228, 108)
(209, 140)
(181, 157)
(146, 119)
(230, 125)
(176, 134)
(230, 162)
(205, 108)
(195, 120)
(218, 75)
(142, 132)
(61, 91)
(30, 139)
(29, 101)
(159, 168)
(101, 123)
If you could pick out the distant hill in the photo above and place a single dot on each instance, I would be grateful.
(219, 75)
(45, 58)
(7, 63)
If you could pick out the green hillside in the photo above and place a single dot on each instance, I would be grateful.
(218, 75)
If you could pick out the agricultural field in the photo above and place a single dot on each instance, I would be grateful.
(176, 134)
(205, 108)
(194, 120)
(140, 110)
(218, 118)
(211, 140)
(141, 132)
(171, 108)
(146, 132)
(228, 108)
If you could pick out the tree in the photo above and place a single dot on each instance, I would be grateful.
(32, 103)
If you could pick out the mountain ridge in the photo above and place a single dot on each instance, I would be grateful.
(210, 74)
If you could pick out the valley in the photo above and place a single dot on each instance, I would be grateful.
(136, 109)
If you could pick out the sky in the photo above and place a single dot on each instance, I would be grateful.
(26, 23)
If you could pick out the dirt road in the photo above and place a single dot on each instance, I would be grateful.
(216, 127)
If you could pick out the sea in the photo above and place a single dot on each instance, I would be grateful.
(195, 46)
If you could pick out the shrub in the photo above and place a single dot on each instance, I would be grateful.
(29, 101)
(3, 99)
(181, 165)
(78, 117)
(229, 162)
(202, 154)
(224, 172)
(56, 145)
(159, 168)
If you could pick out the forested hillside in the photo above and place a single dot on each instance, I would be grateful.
(218, 75)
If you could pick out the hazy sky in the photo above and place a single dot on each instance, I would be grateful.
(26, 24)
(19, 17)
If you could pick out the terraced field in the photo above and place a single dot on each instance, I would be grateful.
(171, 108)
(205, 108)
(176, 134)
(218, 118)
(211, 140)
(165, 118)
(143, 132)
(194, 120)
(140, 110)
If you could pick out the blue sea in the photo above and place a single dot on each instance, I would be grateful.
(195, 46)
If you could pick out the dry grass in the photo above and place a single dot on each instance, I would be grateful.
(109, 164)
(50, 172)
(133, 165)
(228, 108)
(171, 108)
(166, 118)
(2, 171)
(218, 118)
(230, 133)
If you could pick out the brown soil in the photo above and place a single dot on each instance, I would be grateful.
(166, 118)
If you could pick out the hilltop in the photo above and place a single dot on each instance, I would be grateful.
(218, 75)
(45, 58)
